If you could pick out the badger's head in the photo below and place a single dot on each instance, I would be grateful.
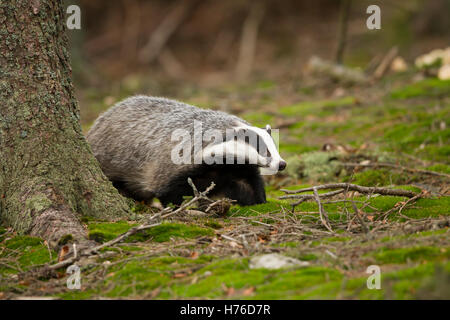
(245, 144)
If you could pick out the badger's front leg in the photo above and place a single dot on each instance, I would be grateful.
(247, 191)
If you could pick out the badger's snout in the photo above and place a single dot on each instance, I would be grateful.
(282, 165)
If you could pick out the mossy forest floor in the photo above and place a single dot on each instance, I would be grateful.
(324, 128)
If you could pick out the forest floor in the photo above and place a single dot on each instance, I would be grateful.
(328, 133)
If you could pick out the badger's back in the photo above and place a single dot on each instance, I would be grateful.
(132, 140)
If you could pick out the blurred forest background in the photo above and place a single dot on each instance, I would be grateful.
(205, 41)
(171, 47)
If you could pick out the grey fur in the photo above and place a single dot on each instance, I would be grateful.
(132, 140)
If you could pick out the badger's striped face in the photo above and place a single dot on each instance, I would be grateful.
(249, 145)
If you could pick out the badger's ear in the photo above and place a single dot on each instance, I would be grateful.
(268, 129)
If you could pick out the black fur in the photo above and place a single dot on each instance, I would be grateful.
(242, 183)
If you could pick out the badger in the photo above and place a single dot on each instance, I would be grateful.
(149, 147)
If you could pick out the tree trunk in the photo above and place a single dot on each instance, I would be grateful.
(49, 178)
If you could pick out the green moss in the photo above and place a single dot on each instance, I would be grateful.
(103, 232)
(166, 231)
(213, 224)
(286, 244)
(307, 257)
(422, 234)
(403, 255)
(429, 207)
(426, 88)
(295, 148)
(65, 239)
(271, 205)
(330, 240)
(232, 273)
(324, 107)
(417, 137)
(27, 251)
(440, 168)
(137, 277)
(297, 109)
(265, 84)
(379, 177)
(258, 119)
(142, 275)
(131, 248)
(295, 284)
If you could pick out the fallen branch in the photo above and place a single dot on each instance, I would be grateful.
(385, 63)
(354, 187)
(304, 197)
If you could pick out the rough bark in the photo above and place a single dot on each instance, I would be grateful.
(49, 178)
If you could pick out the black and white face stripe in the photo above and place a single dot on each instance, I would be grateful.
(248, 144)
(251, 138)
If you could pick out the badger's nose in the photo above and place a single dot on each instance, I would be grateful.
(282, 165)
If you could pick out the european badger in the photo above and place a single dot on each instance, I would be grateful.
(137, 143)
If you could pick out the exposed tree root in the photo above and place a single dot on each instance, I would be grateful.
(153, 221)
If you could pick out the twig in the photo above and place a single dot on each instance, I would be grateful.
(323, 214)
(360, 219)
(304, 197)
(409, 201)
(229, 238)
(355, 187)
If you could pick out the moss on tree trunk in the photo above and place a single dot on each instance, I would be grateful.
(49, 178)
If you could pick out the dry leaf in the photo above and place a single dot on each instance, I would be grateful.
(228, 291)
(248, 291)
(180, 275)
(62, 253)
